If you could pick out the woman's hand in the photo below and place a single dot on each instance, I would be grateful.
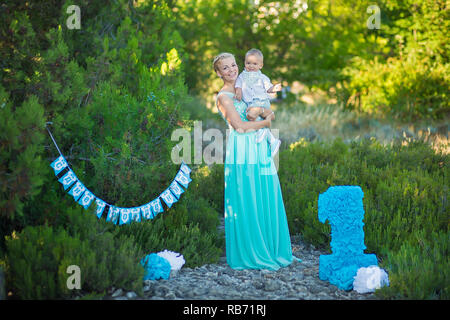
(267, 113)
(226, 106)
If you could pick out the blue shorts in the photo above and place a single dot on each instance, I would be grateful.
(260, 103)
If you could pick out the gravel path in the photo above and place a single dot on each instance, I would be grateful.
(298, 281)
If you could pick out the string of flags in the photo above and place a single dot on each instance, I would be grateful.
(118, 214)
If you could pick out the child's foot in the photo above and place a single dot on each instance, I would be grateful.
(260, 134)
(275, 146)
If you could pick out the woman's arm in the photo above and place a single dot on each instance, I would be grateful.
(225, 104)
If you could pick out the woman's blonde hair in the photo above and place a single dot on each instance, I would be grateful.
(220, 57)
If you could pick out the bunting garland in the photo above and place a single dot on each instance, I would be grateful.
(119, 215)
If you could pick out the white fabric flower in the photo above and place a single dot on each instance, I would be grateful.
(370, 278)
(176, 260)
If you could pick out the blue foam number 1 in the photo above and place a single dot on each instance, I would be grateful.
(342, 206)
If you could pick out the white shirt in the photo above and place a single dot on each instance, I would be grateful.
(254, 85)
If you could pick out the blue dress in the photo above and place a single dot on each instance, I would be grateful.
(256, 229)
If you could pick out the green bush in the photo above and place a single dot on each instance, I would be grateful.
(38, 257)
(114, 91)
(419, 269)
(189, 228)
(36, 260)
(400, 88)
(208, 182)
(196, 247)
(405, 201)
(21, 164)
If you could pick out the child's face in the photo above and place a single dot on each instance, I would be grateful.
(253, 63)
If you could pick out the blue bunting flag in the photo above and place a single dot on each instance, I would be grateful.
(136, 214)
(168, 197)
(59, 164)
(176, 189)
(86, 199)
(146, 210)
(125, 216)
(182, 179)
(156, 207)
(100, 206)
(77, 190)
(113, 214)
(185, 169)
(68, 179)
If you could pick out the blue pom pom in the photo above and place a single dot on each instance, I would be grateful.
(156, 267)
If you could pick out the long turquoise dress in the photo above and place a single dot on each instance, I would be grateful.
(256, 229)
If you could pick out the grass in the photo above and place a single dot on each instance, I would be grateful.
(315, 117)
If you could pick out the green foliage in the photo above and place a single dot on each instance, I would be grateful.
(113, 103)
(414, 82)
(405, 201)
(419, 270)
(114, 91)
(208, 182)
(400, 87)
(294, 37)
(197, 247)
(21, 149)
(38, 258)
(398, 70)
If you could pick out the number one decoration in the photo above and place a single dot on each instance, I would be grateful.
(343, 207)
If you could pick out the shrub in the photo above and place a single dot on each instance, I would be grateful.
(208, 182)
(399, 87)
(38, 258)
(21, 164)
(154, 236)
(419, 269)
(189, 227)
(405, 201)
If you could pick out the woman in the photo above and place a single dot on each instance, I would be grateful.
(256, 230)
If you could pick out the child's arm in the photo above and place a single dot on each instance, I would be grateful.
(238, 94)
(270, 88)
(238, 87)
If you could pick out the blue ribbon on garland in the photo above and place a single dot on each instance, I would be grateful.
(120, 215)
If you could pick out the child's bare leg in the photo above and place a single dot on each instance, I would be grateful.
(253, 113)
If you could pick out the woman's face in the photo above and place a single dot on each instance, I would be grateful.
(228, 69)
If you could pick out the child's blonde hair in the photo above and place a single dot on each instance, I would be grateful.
(220, 57)
(254, 52)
